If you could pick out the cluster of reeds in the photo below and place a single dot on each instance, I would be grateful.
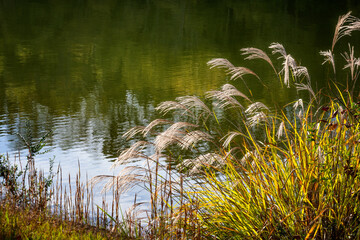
(65, 202)
(54, 200)
(266, 173)
(226, 167)
(23, 186)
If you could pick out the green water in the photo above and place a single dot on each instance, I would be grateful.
(89, 70)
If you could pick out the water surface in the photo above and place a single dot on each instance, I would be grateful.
(89, 70)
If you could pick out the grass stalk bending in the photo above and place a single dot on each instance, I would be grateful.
(222, 167)
(268, 173)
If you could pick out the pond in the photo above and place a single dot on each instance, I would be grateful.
(89, 70)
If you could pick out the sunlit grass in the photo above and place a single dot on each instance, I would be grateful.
(246, 170)
(306, 184)
(222, 166)
(18, 223)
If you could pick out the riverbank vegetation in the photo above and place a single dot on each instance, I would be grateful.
(33, 206)
(246, 170)
(20, 223)
(226, 167)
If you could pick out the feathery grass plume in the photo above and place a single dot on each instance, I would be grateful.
(196, 165)
(230, 90)
(344, 27)
(229, 137)
(298, 103)
(328, 57)
(281, 130)
(255, 114)
(226, 96)
(256, 118)
(300, 71)
(352, 62)
(133, 131)
(288, 63)
(134, 214)
(278, 48)
(193, 137)
(255, 53)
(174, 134)
(307, 87)
(224, 99)
(354, 26)
(193, 102)
(239, 72)
(255, 107)
(145, 131)
(168, 106)
(134, 151)
(235, 72)
(220, 63)
(169, 137)
(128, 177)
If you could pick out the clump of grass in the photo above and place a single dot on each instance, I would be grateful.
(302, 179)
(267, 173)
(223, 167)
(305, 184)
(19, 223)
(35, 206)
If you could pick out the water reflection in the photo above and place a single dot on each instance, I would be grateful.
(89, 70)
